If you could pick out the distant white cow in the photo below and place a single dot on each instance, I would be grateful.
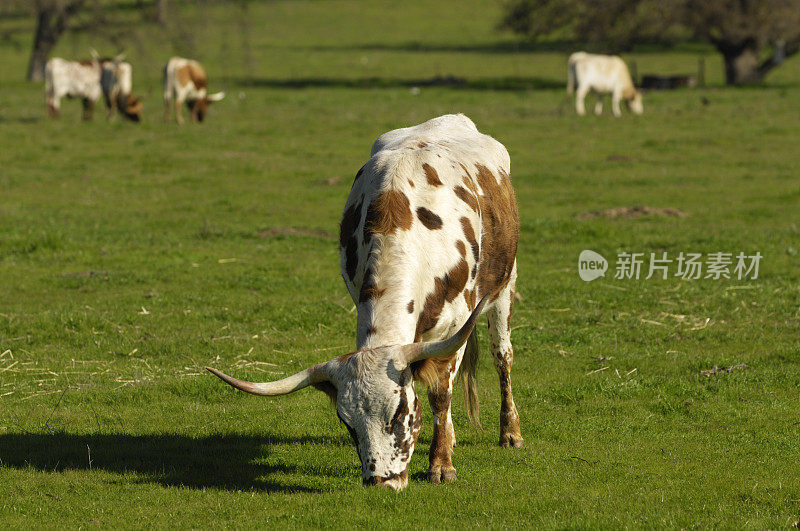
(185, 80)
(88, 80)
(601, 74)
(72, 79)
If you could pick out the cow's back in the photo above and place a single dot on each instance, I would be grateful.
(73, 79)
(430, 226)
(186, 75)
(602, 73)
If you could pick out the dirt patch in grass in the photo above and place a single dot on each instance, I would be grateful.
(633, 212)
(292, 231)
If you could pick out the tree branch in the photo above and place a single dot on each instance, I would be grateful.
(790, 49)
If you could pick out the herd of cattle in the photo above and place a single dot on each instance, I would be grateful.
(428, 243)
(185, 81)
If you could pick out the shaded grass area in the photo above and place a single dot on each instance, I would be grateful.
(132, 256)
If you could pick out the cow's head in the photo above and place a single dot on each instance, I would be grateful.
(375, 399)
(131, 108)
(635, 102)
(199, 107)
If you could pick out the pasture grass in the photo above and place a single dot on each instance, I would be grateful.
(133, 255)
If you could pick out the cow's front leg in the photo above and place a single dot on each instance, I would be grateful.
(580, 97)
(499, 318)
(598, 106)
(441, 469)
(178, 111)
(615, 99)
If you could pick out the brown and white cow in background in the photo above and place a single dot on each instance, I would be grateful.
(88, 80)
(185, 81)
(430, 227)
(601, 74)
(116, 80)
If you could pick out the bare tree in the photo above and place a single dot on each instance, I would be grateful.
(743, 30)
(753, 36)
(52, 17)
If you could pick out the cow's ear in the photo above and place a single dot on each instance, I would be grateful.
(329, 389)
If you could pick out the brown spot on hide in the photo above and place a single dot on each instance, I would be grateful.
(410, 307)
(455, 280)
(467, 197)
(422, 145)
(428, 371)
(388, 213)
(194, 73)
(469, 298)
(369, 289)
(431, 175)
(411, 183)
(446, 288)
(371, 330)
(462, 249)
(429, 219)
(347, 238)
(469, 234)
(500, 231)
(372, 467)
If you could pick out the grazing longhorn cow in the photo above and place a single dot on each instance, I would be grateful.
(88, 80)
(185, 80)
(430, 227)
(601, 74)
(116, 82)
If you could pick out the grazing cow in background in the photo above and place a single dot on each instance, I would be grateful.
(71, 79)
(88, 80)
(601, 74)
(185, 80)
(430, 228)
(117, 84)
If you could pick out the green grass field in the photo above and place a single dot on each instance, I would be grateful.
(133, 255)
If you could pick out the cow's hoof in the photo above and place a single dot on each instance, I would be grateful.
(439, 474)
(511, 440)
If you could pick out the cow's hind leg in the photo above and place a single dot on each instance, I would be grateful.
(598, 106)
(88, 109)
(53, 108)
(441, 468)
(499, 317)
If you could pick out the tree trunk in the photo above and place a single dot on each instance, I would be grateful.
(160, 11)
(51, 21)
(742, 64)
(742, 68)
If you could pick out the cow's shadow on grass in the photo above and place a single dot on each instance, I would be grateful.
(230, 462)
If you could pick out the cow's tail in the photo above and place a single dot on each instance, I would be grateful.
(50, 91)
(469, 367)
(571, 77)
(48, 80)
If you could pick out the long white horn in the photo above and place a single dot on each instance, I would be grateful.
(94, 54)
(440, 349)
(304, 378)
(119, 57)
(216, 96)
